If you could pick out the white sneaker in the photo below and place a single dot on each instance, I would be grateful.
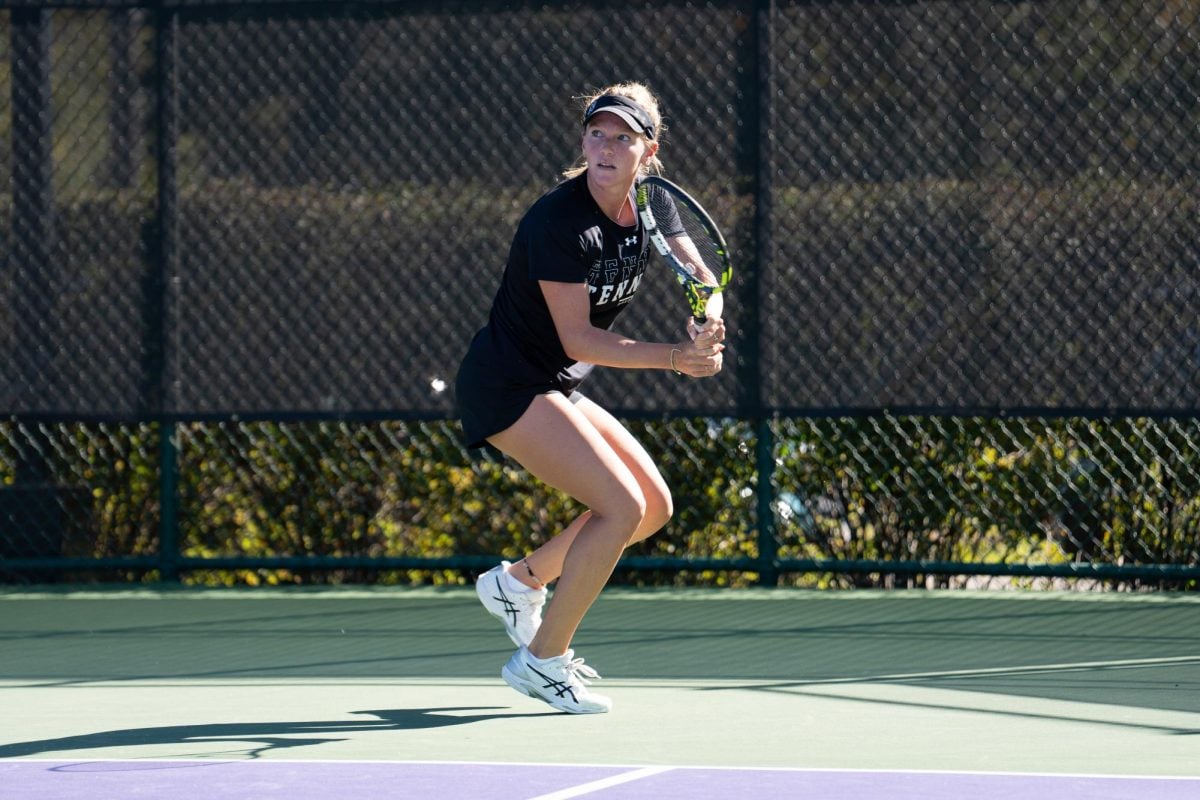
(521, 612)
(561, 681)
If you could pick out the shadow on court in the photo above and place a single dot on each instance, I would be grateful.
(256, 739)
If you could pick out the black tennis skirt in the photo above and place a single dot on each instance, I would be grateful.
(495, 386)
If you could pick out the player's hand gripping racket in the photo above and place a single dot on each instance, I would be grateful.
(689, 241)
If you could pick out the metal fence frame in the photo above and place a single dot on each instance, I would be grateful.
(31, 190)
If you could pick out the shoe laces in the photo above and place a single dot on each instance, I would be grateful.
(579, 670)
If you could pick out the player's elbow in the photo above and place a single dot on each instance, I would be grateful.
(577, 346)
(574, 353)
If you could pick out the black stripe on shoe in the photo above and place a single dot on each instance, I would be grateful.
(510, 608)
(560, 687)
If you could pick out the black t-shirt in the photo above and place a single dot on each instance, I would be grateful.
(563, 237)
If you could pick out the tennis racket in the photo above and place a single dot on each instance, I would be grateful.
(689, 241)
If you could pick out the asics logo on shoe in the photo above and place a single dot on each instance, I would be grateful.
(509, 607)
(520, 611)
(560, 687)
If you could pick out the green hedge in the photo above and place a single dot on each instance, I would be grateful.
(1023, 491)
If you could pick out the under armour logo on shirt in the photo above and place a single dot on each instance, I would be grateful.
(631, 241)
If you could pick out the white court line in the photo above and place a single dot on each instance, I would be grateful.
(987, 672)
(603, 783)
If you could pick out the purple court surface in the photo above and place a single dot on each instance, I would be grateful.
(308, 780)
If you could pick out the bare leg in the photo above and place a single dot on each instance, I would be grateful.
(547, 561)
(558, 444)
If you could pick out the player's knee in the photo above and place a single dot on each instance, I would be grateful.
(659, 510)
(638, 506)
(626, 510)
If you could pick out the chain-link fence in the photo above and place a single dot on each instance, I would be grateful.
(246, 245)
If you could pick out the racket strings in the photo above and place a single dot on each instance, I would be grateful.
(666, 211)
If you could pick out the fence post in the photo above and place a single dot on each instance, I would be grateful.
(157, 290)
(168, 502)
(755, 165)
(768, 541)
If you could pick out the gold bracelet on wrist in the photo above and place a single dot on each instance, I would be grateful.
(674, 369)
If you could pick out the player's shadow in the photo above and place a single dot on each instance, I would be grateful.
(263, 737)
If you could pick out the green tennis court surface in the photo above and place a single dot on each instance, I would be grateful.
(857, 686)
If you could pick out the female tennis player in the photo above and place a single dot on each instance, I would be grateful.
(575, 264)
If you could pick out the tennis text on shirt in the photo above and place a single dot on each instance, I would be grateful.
(614, 280)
